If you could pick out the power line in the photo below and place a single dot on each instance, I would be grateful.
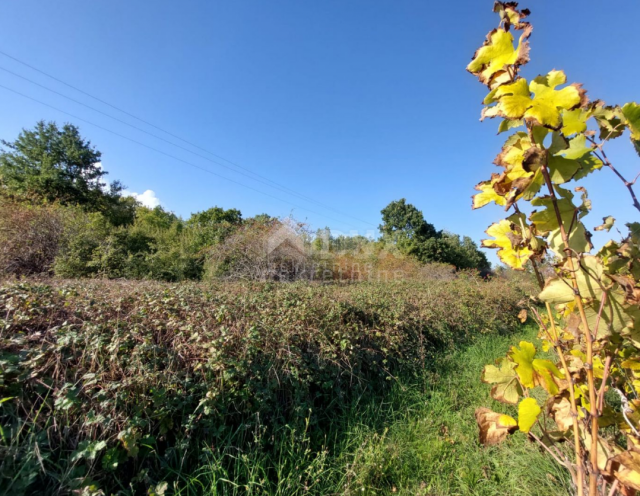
(169, 155)
(272, 183)
(286, 190)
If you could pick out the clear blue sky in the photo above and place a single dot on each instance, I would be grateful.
(354, 103)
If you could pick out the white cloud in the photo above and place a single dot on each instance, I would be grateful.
(148, 198)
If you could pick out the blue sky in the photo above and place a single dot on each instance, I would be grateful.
(353, 103)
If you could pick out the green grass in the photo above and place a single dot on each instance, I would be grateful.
(421, 439)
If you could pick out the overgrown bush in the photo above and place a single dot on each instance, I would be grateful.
(29, 237)
(109, 385)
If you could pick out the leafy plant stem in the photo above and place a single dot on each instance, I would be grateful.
(578, 477)
(593, 451)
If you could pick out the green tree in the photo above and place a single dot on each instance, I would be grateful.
(53, 164)
(213, 225)
(404, 226)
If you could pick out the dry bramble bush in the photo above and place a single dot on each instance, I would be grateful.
(106, 383)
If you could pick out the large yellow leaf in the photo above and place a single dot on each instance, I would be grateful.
(548, 103)
(515, 101)
(523, 357)
(507, 241)
(506, 387)
(498, 53)
(487, 195)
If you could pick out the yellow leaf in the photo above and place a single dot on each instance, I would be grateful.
(506, 387)
(524, 358)
(528, 412)
(548, 102)
(514, 99)
(508, 243)
(545, 371)
(574, 121)
(487, 195)
(632, 364)
(498, 52)
(507, 421)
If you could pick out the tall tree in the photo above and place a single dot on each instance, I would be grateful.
(404, 225)
(53, 164)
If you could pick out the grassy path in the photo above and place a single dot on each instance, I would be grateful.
(421, 441)
(430, 445)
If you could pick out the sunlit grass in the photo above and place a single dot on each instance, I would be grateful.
(421, 439)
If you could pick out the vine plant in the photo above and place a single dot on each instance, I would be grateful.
(588, 397)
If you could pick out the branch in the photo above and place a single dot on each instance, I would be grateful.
(553, 454)
(605, 161)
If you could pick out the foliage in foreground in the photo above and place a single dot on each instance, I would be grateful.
(110, 385)
(592, 319)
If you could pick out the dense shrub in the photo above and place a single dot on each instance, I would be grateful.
(106, 384)
(29, 237)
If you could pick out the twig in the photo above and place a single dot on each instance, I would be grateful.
(555, 457)
(614, 487)
(625, 409)
(605, 376)
(605, 161)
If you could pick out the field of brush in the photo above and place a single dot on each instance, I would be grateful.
(257, 389)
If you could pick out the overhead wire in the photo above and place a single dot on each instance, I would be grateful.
(262, 179)
(172, 156)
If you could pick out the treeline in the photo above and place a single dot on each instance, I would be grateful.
(59, 216)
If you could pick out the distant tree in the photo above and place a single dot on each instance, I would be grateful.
(213, 225)
(463, 254)
(156, 218)
(53, 164)
(322, 239)
(404, 226)
(215, 216)
(344, 243)
(261, 219)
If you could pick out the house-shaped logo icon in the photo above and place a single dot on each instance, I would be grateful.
(285, 241)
